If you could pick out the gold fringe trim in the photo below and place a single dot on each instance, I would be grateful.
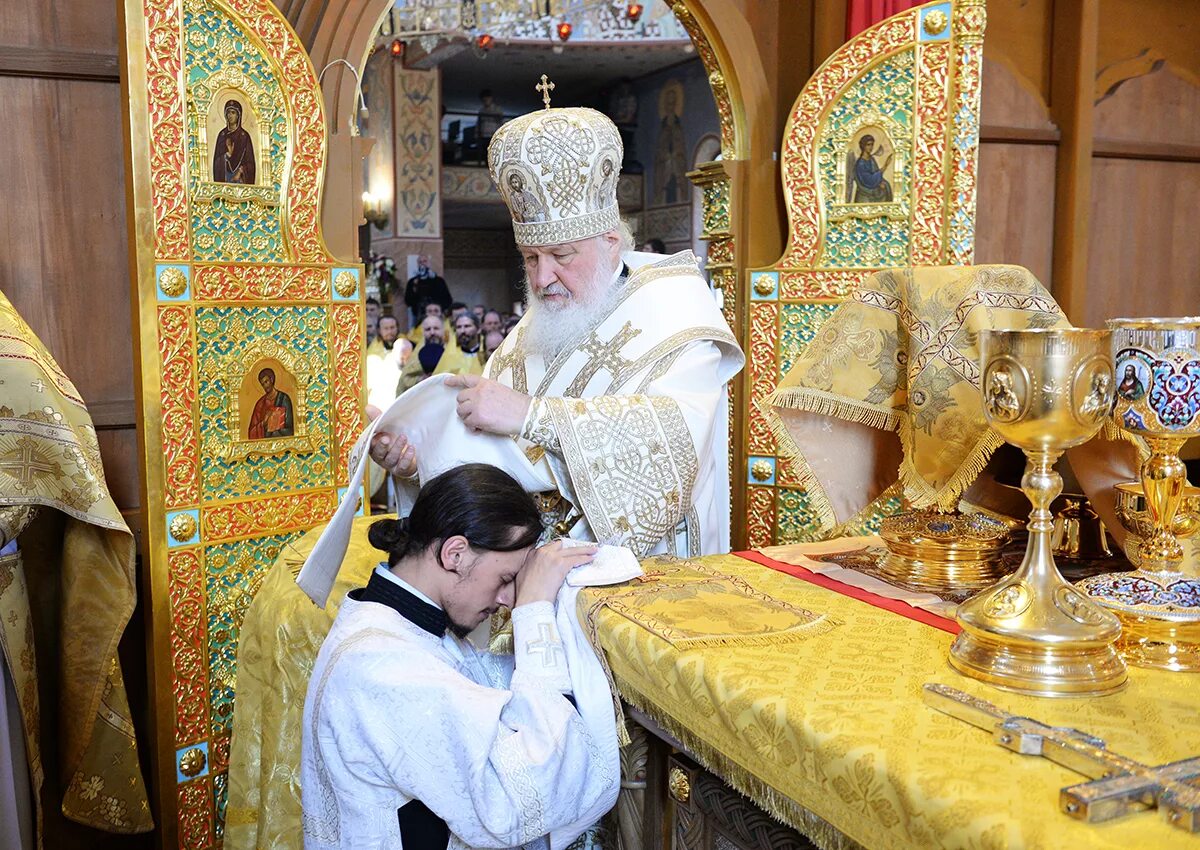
(781, 807)
(946, 497)
(791, 455)
(839, 407)
(794, 634)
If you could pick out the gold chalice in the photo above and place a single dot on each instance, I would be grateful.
(1158, 398)
(1044, 391)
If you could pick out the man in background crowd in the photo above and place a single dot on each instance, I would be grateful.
(466, 357)
(424, 287)
(491, 321)
(424, 360)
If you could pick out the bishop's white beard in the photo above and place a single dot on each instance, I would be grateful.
(552, 328)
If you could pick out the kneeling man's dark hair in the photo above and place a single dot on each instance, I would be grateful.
(482, 503)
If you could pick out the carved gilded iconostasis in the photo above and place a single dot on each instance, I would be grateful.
(250, 335)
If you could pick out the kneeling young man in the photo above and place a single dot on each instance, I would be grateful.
(412, 737)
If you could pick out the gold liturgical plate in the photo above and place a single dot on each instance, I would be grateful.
(1159, 611)
(939, 551)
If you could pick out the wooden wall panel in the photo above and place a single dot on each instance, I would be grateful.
(1144, 256)
(64, 263)
(1015, 208)
(89, 25)
(1156, 108)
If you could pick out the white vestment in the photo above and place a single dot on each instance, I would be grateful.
(633, 415)
(489, 743)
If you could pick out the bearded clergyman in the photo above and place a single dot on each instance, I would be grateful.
(616, 374)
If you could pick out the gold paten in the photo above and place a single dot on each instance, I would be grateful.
(1157, 362)
(1159, 611)
(678, 785)
(939, 551)
(1044, 391)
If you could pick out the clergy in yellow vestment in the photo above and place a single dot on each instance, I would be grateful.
(74, 549)
(466, 358)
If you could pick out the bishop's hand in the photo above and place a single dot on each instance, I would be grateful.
(485, 405)
(394, 454)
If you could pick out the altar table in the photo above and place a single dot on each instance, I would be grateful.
(834, 726)
(823, 727)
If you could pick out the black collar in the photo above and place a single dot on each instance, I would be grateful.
(417, 611)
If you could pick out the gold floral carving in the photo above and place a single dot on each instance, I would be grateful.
(764, 370)
(272, 515)
(761, 470)
(188, 655)
(929, 166)
(164, 62)
(345, 284)
(347, 384)
(260, 283)
(182, 528)
(935, 22)
(172, 282)
(177, 396)
(678, 785)
(764, 285)
(760, 516)
(192, 762)
(195, 813)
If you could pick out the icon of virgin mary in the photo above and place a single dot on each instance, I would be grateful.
(233, 153)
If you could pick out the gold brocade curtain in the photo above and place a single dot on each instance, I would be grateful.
(901, 357)
(80, 581)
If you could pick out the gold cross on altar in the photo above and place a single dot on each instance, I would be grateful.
(545, 87)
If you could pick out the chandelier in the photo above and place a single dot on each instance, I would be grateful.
(481, 22)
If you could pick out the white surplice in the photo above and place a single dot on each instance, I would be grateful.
(633, 417)
(489, 743)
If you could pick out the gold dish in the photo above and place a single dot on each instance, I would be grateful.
(937, 551)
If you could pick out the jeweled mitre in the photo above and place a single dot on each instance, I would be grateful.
(557, 170)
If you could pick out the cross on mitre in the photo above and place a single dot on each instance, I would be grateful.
(545, 87)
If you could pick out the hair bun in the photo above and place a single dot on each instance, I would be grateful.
(388, 534)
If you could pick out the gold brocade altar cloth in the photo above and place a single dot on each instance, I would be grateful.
(835, 726)
(826, 719)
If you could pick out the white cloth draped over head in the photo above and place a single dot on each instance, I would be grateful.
(426, 414)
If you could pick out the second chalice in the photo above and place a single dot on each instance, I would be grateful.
(1044, 391)
(1157, 365)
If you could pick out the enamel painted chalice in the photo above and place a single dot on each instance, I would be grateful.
(1157, 365)
(1044, 391)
